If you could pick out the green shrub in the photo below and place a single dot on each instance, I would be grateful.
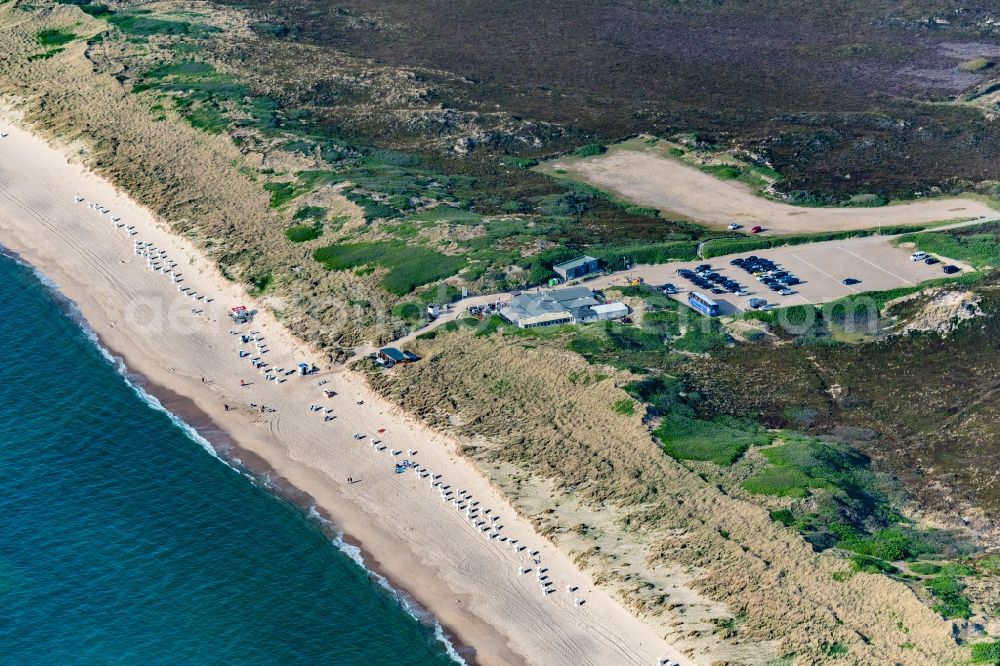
(986, 653)
(891, 543)
(259, 284)
(978, 245)
(409, 267)
(95, 10)
(924, 568)
(410, 311)
(802, 465)
(867, 564)
(783, 516)
(624, 407)
(317, 213)
(590, 150)
(301, 233)
(54, 37)
(950, 602)
(662, 393)
(704, 336)
(718, 247)
(612, 256)
(45, 55)
(305, 181)
(723, 171)
(139, 24)
(780, 482)
(373, 210)
(722, 441)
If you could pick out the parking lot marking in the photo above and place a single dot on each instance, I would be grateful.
(813, 266)
(857, 256)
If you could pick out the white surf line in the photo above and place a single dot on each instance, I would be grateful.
(856, 256)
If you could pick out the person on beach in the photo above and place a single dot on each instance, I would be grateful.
(243, 382)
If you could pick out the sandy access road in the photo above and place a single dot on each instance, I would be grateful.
(425, 546)
(677, 189)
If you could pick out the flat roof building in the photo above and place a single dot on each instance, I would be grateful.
(570, 270)
(560, 306)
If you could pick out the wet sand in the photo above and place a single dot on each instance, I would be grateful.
(424, 546)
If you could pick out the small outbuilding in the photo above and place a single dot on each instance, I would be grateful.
(615, 310)
(390, 356)
(576, 268)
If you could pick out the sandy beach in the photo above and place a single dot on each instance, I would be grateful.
(424, 545)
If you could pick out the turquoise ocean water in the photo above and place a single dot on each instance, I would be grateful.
(123, 540)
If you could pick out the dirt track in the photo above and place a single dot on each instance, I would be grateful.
(677, 189)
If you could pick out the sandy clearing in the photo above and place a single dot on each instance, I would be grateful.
(677, 189)
(424, 545)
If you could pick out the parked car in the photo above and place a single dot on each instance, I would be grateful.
(757, 303)
(785, 291)
(918, 256)
(930, 261)
(702, 267)
(733, 226)
(756, 229)
(949, 269)
(849, 281)
(668, 289)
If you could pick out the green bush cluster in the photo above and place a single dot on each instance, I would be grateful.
(949, 600)
(978, 246)
(986, 653)
(718, 247)
(54, 37)
(138, 23)
(409, 267)
(590, 150)
(93, 9)
(301, 233)
(624, 407)
(723, 171)
(721, 441)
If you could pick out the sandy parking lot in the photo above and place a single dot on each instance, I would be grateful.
(648, 178)
(821, 267)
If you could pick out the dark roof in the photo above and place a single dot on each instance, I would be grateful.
(392, 354)
(574, 263)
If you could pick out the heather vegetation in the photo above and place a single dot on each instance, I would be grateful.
(397, 181)
(812, 105)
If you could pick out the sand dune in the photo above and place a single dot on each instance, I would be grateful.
(426, 546)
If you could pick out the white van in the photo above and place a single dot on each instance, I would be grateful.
(918, 256)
